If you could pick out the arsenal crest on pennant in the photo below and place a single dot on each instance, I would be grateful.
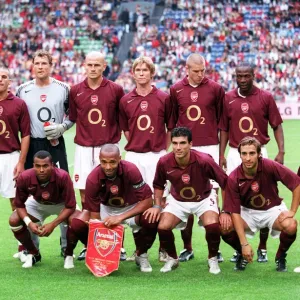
(144, 105)
(94, 99)
(244, 107)
(43, 98)
(185, 178)
(104, 248)
(194, 96)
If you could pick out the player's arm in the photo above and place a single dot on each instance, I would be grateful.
(223, 144)
(168, 139)
(126, 134)
(139, 208)
(25, 141)
(278, 134)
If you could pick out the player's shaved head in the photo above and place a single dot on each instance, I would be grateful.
(4, 70)
(245, 66)
(195, 59)
(110, 149)
(95, 55)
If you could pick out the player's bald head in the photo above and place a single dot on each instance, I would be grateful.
(110, 149)
(195, 59)
(95, 55)
(244, 66)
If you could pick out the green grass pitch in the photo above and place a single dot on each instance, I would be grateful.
(48, 279)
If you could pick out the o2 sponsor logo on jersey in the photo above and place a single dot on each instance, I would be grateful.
(186, 178)
(144, 105)
(255, 186)
(76, 177)
(43, 98)
(105, 241)
(45, 195)
(194, 96)
(94, 99)
(244, 107)
(1, 110)
(114, 189)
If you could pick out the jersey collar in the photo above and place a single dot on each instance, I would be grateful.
(153, 91)
(185, 81)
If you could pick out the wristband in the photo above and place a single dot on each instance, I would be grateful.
(157, 206)
(27, 220)
(225, 212)
(244, 245)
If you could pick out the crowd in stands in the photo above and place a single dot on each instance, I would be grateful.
(264, 33)
(68, 29)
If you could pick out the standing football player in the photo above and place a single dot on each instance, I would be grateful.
(47, 100)
(247, 111)
(252, 199)
(94, 106)
(189, 172)
(198, 106)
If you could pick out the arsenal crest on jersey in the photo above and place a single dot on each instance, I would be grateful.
(194, 96)
(144, 105)
(43, 98)
(186, 178)
(114, 189)
(45, 195)
(94, 99)
(1, 110)
(255, 186)
(76, 177)
(244, 107)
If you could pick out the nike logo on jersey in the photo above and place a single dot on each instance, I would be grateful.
(130, 100)
(179, 91)
(79, 94)
(27, 91)
(231, 101)
(240, 184)
(169, 172)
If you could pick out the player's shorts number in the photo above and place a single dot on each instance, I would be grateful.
(148, 124)
(243, 128)
(192, 193)
(4, 129)
(259, 201)
(197, 117)
(97, 120)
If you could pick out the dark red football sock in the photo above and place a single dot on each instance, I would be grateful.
(21, 248)
(186, 234)
(286, 241)
(263, 237)
(72, 240)
(213, 238)
(24, 237)
(145, 237)
(167, 242)
(80, 229)
(233, 240)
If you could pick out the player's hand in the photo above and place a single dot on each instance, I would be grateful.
(223, 163)
(35, 228)
(279, 157)
(112, 221)
(285, 215)
(225, 221)
(153, 214)
(54, 130)
(247, 253)
(47, 229)
(19, 168)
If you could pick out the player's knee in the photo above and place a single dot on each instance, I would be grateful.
(290, 227)
(14, 220)
(78, 225)
(164, 226)
(144, 222)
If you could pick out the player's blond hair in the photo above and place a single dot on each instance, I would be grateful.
(249, 140)
(144, 60)
(43, 53)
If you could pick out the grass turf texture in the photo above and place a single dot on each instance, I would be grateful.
(48, 279)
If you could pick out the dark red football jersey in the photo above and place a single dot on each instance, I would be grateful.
(249, 116)
(14, 118)
(191, 184)
(126, 189)
(198, 108)
(58, 190)
(146, 119)
(96, 113)
(260, 192)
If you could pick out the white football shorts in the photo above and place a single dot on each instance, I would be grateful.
(182, 210)
(212, 150)
(85, 160)
(8, 162)
(258, 219)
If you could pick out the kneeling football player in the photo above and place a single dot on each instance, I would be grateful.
(189, 172)
(117, 194)
(52, 194)
(251, 197)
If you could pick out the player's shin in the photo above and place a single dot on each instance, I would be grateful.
(232, 239)
(186, 234)
(286, 240)
(80, 229)
(72, 240)
(213, 238)
(167, 242)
